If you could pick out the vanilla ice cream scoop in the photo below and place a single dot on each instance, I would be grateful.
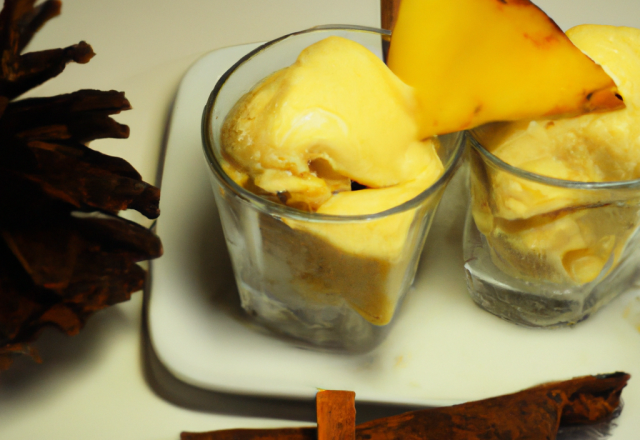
(337, 115)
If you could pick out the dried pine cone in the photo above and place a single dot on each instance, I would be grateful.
(64, 252)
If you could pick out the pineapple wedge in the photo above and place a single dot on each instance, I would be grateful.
(478, 61)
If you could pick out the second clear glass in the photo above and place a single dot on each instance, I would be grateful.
(575, 250)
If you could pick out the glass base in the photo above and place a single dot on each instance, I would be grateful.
(336, 328)
(540, 303)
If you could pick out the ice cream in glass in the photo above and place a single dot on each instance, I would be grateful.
(552, 231)
(325, 187)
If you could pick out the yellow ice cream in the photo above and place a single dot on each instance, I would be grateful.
(335, 116)
(560, 234)
(336, 119)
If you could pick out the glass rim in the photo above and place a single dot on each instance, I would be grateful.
(550, 181)
(281, 210)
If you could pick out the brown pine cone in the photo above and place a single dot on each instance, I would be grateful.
(64, 252)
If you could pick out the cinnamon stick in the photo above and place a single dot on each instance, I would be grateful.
(336, 415)
(389, 13)
(535, 413)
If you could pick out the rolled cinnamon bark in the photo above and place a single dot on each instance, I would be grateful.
(534, 413)
(389, 13)
(336, 415)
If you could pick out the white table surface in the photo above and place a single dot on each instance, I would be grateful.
(105, 383)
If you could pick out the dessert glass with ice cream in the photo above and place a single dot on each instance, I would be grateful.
(324, 190)
(551, 232)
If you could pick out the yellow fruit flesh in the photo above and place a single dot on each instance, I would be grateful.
(478, 61)
(572, 234)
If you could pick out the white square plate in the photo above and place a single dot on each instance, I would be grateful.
(442, 349)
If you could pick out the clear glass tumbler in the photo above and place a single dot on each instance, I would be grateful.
(330, 282)
(573, 251)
